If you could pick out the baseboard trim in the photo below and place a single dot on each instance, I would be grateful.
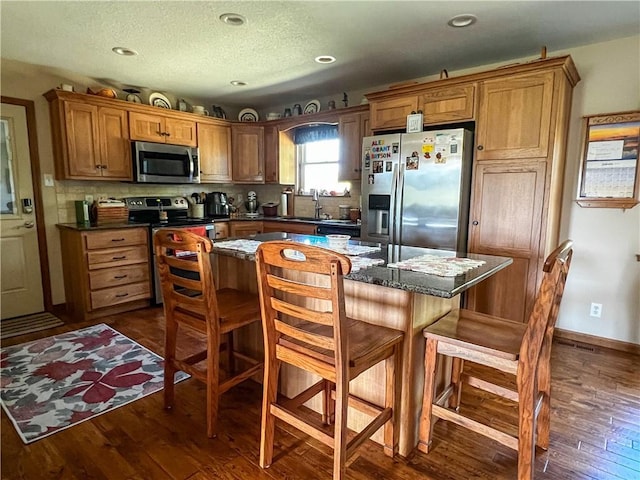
(598, 341)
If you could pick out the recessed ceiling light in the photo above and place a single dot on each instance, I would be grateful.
(238, 83)
(463, 20)
(233, 19)
(127, 52)
(325, 59)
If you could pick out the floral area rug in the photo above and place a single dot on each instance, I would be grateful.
(57, 382)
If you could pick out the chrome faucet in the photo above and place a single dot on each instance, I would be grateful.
(316, 198)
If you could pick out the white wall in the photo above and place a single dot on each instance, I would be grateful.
(604, 269)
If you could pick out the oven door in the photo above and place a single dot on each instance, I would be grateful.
(207, 230)
(159, 163)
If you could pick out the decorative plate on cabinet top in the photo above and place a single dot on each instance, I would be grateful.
(312, 107)
(158, 100)
(248, 115)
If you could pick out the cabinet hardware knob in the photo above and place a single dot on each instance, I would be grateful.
(167, 134)
(120, 295)
(121, 257)
(480, 147)
(475, 222)
(117, 239)
(104, 167)
(98, 166)
(120, 277)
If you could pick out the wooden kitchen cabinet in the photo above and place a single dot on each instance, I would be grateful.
(247, 146)
(214, 143)
(352, 127)
(447, 104)
(289, 227)
(90, 141)
(514, 117)
(222, 230)
(161, 128)
(245, 228)
(106, 271)
(391, 114)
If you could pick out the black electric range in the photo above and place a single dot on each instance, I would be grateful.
(174, 209)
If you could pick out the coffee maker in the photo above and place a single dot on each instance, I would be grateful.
(216, 205)
(252, 204)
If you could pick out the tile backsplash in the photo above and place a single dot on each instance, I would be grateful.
(68, 191)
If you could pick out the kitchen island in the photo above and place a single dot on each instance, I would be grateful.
(381, 295)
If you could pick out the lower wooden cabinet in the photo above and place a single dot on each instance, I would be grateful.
(245, 228)
(106, 271)
(289, 227)
(222, 230)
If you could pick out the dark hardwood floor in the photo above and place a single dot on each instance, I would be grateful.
(595, 431)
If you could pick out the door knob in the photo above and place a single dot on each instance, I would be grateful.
(27, 224)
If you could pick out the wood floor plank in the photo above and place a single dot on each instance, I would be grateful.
(595, 431)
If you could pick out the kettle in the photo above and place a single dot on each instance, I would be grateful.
(216, 204)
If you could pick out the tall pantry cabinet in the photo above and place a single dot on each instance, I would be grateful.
(518, 175)
(521, 115)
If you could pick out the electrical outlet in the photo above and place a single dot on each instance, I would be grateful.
(596, 310)
(239, 198)
(88, 199)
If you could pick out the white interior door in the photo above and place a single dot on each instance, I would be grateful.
(20, 280)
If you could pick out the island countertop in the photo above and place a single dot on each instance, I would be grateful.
(383, 275)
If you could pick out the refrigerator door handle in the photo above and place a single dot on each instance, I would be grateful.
(397, 214)
(392, 206)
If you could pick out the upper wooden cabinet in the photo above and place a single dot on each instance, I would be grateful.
(514, 117)
(160, 128)
(391, 114)
(247, 142)
(214, 143)
(90, 141)
(447, 104)
(279, 156)
(352, 127)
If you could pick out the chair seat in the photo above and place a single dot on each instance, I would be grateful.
(483, 333)
(366, 341)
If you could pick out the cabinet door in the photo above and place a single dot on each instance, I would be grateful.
(115, 148)
(214, 143)
(247, 143)
(289, 227)
(514, 117)
(83, 147)
(271, 154)
(350, 129)
(392, 113)
(147, 128)
(448, 104)
(245, 229)
(506, 219)
(180, 132)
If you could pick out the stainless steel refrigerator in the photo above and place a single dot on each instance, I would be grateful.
(416, 188)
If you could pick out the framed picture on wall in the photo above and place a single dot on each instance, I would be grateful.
(609, 168)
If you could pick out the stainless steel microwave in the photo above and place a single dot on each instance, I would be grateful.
(161, 163)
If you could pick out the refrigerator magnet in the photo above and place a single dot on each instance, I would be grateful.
(395, 147)
(367, 159)
(412, 162)
(378, 166)
(371, 179)
(388, 166)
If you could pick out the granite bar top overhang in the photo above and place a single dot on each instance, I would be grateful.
(445, 287)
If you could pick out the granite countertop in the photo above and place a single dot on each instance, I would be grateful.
(446, 287)
(314, 221)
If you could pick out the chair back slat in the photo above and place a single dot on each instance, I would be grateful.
(546, 307)
(289, 275)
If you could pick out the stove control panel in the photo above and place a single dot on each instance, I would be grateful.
(156, 203)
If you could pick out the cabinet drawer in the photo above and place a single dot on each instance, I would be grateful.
(116, 238)
(115, 257)
(117, 295)
(113, 277)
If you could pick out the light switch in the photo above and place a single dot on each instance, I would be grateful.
(48, 180)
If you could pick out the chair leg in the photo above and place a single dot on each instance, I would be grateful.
(213, 379)
(269, 397)
(456, 374)
(393, 366)
(340, 430)
(171, 332)
(328, 403)
(426, 421)
(230, 358)
(526, 434)
(544, 385)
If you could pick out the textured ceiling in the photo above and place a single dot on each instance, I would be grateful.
(186, 50)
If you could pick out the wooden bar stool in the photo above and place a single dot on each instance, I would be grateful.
(305, 325)
(519, 349)
(191, 301)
